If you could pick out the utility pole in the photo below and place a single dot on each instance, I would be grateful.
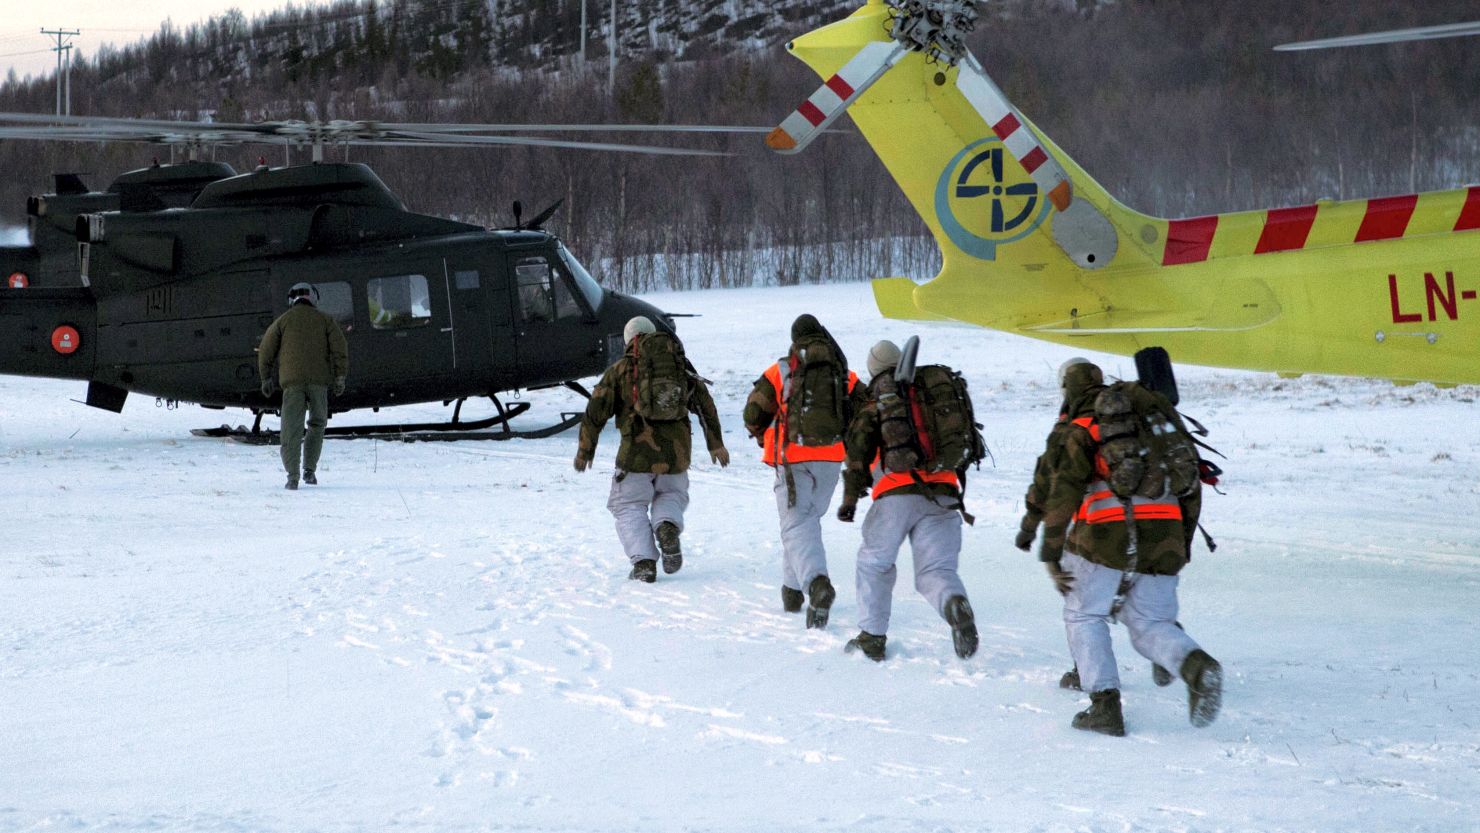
(583, 34)
(611, 70)
(63, 37)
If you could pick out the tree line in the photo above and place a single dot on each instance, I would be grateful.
(1177, 108)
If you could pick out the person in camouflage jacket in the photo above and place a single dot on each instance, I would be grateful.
(650, 488)
(919, 505)
(1091, 574)
(806, 473)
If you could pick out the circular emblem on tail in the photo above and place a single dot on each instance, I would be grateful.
(985, 199)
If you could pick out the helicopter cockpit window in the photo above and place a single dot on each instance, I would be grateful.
(336, 299)
(584, 282)
(399, 302)
(543, 293)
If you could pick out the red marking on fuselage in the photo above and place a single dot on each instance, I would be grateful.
(842, 88)
(1445, 299)
(1286, 229)
(1188, 241)
(1467, 295)
(1469, 216)
(1400, 317)
(1386, 218)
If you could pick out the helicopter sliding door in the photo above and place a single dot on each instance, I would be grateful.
(482, 332)
(558, 332)
(410, 332)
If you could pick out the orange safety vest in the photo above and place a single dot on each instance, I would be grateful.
(1101, 506)
(896, 480)
(796, 453)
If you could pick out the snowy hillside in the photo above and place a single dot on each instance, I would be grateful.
(441, 637)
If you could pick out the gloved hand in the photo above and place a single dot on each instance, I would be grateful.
(339, 385)
(846, 512)
(582, 461)
(720, 455)
(1062, 581)
(267, 388)
(1024, 540)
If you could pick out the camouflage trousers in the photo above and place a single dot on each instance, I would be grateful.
(1149, 613)
(639, 502)
(934, 532)
(803, 557)
(296, 400)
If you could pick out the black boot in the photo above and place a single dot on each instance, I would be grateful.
(820, 595)
(667, 534)
(791, 600)
(872, 646)
(1204, 678)
(292, 484)
(1070, 680)
(1103, 714)
(310, 478)
(963, 625)
(644, 570)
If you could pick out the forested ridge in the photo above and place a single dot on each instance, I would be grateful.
(1179, 108)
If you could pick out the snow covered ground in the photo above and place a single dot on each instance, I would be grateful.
(442, 636)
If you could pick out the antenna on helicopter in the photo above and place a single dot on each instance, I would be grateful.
(518, 211)
(541, 218)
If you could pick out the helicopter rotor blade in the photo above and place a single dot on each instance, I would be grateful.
(456, 140)
(829, 101)
(104, 129)
(573, 128)
(1003, 119)
(1448, 30)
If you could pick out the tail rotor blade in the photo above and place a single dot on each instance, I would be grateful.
(834, 96)
(1003, 119)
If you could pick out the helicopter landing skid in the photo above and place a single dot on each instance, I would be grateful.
(456, 429)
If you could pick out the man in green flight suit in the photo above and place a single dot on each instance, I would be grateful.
(308, 351)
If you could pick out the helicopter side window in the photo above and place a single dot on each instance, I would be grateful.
(336, 299)
(543, 293)
(399, 302)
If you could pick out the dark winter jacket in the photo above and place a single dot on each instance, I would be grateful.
(647, 447)
(305, 347)
(1162, 544)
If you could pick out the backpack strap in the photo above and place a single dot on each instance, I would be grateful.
(960, 506)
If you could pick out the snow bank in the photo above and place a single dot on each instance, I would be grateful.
(441, 637)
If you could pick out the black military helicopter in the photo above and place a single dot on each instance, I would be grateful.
(173, 301)
(50, 258)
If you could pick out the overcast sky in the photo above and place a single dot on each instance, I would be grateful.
(23, 47)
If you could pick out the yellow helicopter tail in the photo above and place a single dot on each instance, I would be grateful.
(993, 190)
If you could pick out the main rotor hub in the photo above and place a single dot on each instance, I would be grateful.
(937, 28)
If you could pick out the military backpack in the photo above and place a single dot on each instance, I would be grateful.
(928, 424)
(661, 383)
(1144, 444)
(816, 393)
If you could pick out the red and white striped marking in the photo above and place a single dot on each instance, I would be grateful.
(834, 96)
(993, 107)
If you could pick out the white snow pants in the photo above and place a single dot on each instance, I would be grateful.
(1149, 613)
(935, 546)
(802, 555)
(639, 502)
